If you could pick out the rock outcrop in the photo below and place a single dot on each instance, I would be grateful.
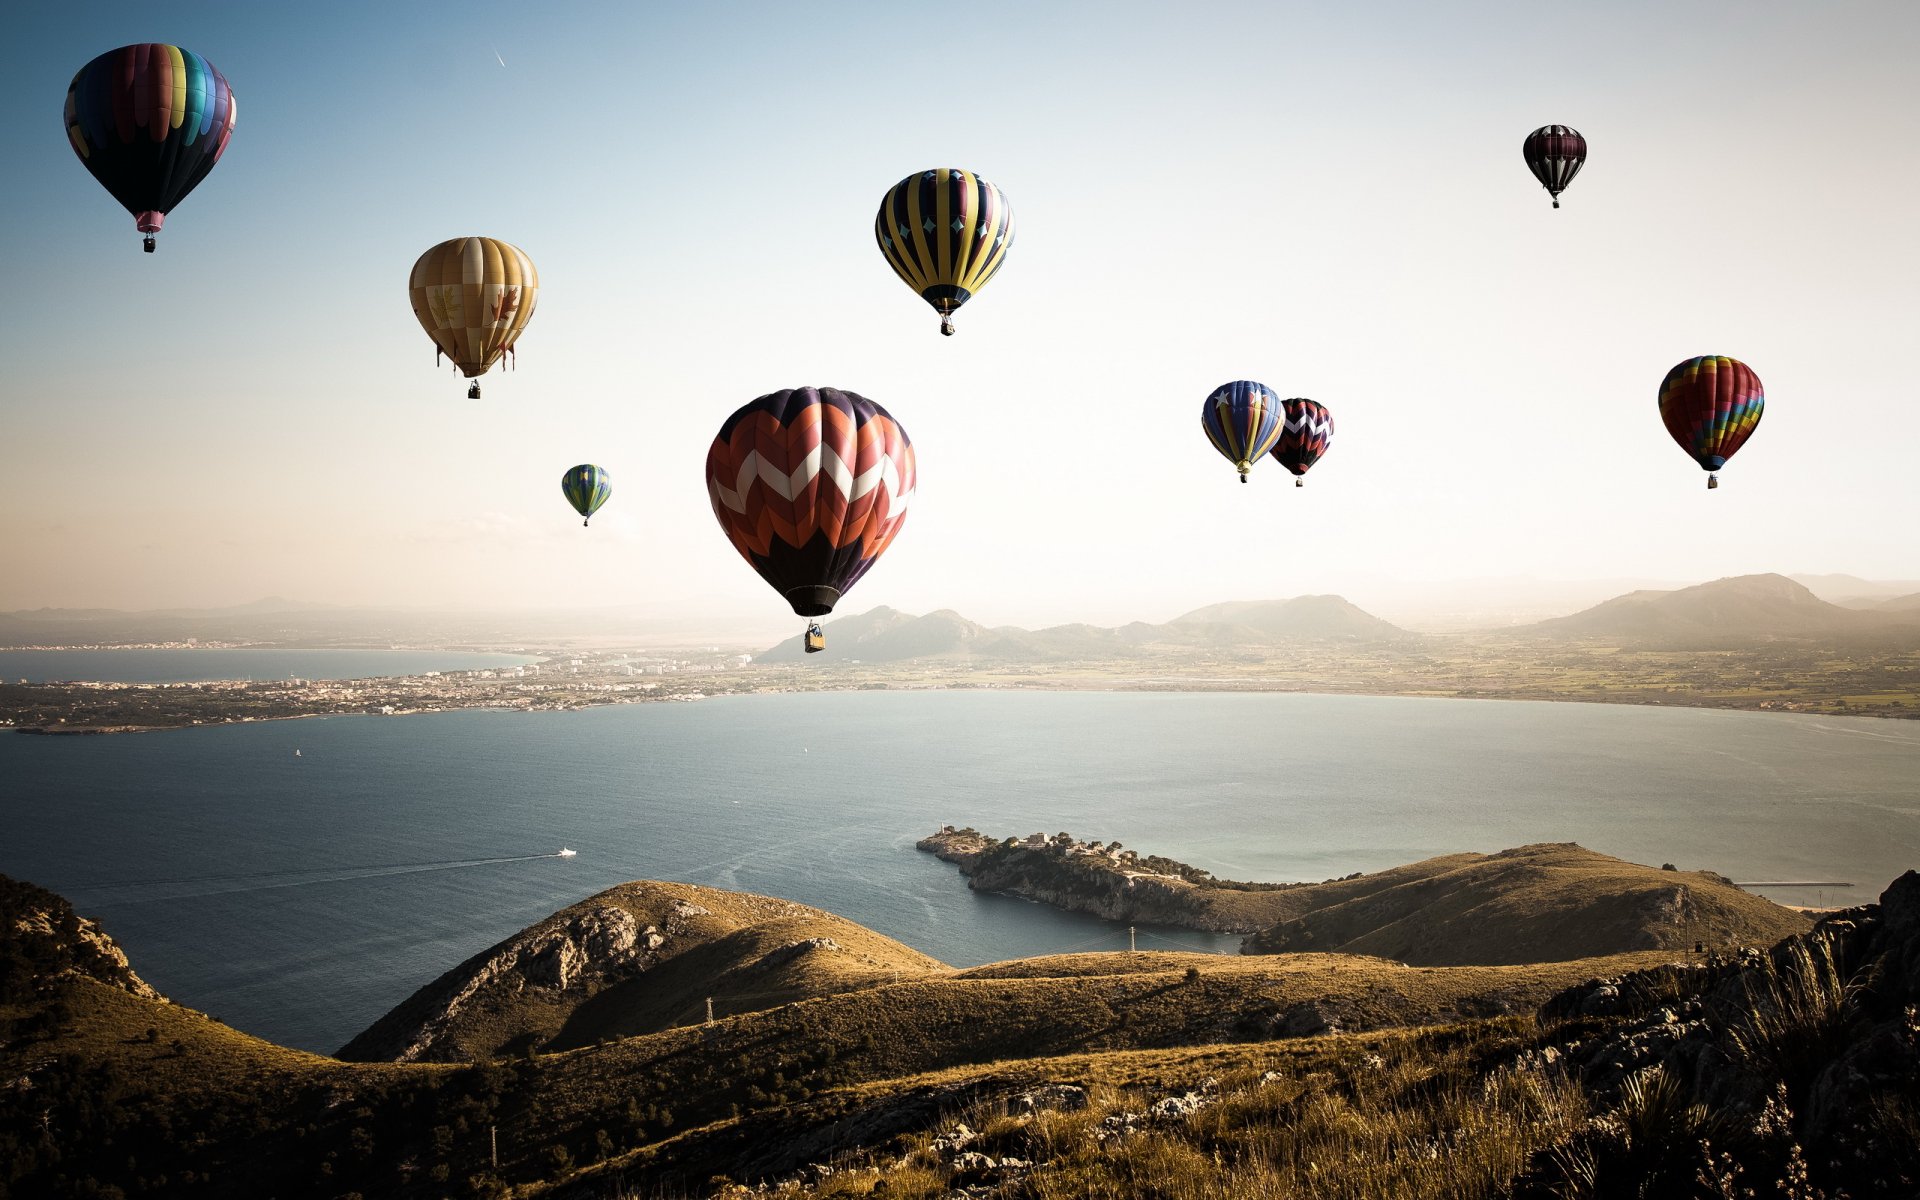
(633, 959)
(580, 949)
(43, 939)
(1108, 880)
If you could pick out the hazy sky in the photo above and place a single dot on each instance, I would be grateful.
(1326, 198)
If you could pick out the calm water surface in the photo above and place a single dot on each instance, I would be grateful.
(299, 898)
(204, 666)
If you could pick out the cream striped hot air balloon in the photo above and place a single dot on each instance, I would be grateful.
(473, 296)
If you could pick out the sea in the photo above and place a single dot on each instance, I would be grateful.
(205, 665)
(297, 879)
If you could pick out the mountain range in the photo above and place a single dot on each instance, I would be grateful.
(1726, 613)
(1734, 612)
(888, 635)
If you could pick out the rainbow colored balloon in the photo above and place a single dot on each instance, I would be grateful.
(149, 121)
(1243, 420)
(1711, 405)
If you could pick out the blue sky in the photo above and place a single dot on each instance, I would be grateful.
(1327, 199)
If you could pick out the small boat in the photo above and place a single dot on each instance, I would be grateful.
(296, 754)
(566, 853)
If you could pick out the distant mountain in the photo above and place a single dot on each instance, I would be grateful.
(1300, 617)
(1851, 591)
(1726, 612)
(888, 635)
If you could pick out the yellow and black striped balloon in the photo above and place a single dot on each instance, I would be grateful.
(945, 232)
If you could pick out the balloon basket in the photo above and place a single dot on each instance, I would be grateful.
(816, 639)
(473, 390)
(1713, 481)
(146, 243)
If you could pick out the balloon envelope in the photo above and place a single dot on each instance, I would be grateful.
(473, 296)
(586, 487)
(944, 232)
(149, 122)
(811, 485)
(1555, 154)
(1305, 434)
(1243, 420)
(1711, 405)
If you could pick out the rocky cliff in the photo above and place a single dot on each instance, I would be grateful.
(43, 940)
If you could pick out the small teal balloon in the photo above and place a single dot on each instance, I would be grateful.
(587, 487)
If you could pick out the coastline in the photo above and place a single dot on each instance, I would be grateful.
(787, 687)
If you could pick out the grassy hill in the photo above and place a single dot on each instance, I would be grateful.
(632, 959)
(1094, 1073)
(1530, 904)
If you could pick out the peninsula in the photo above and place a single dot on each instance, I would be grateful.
(1542, 903)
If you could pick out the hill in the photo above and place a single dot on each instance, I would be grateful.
(1683, 1081)
(633, 959)
(1068, 1064)
(1530, 904)
(885, 635)
(1726, 613)
(1309, 617)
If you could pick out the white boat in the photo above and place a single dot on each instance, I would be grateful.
(566, 853)
(296, 754)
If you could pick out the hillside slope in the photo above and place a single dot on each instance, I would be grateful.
(633, 959)
(1530, 904)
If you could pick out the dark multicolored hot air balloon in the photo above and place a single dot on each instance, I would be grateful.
(1243, 420)
(1711, 405)
(945, 232)
(1555, 154)
(473, 296)
(811, 485)
(587, 487)
(149, 121)
(1306, 433)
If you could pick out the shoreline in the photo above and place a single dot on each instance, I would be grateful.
(1183, 687)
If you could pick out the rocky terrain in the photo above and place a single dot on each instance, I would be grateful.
(577, 1059)
(630, 960)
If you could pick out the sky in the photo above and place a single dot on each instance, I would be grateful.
(1328, 199)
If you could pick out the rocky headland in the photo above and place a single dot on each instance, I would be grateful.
(1544, 903)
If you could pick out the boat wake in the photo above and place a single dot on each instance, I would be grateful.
(110, 892)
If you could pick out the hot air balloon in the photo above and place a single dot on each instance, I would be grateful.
(945, 232)
(1306, 433)
(811, 485)
(149, 121)
(587, 487)
(1243, 420)
(1711, 405)
(473, 296)
(1555, 154)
